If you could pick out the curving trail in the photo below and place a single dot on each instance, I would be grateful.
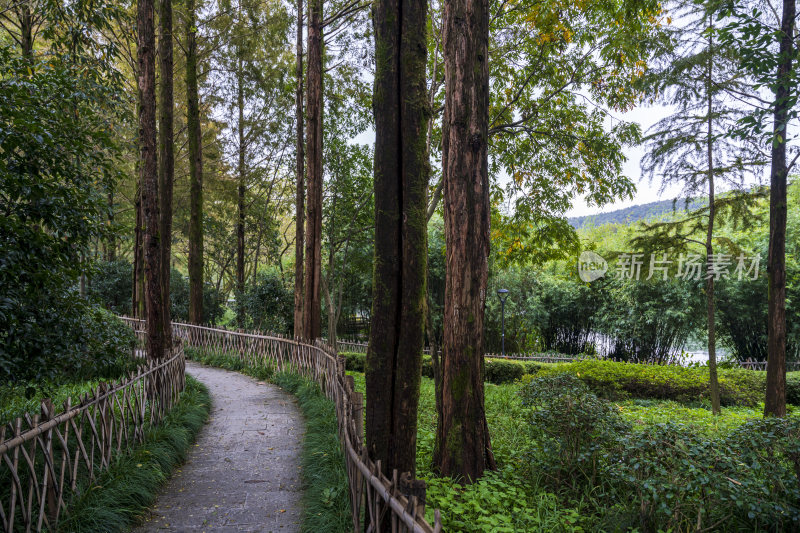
(243, 473)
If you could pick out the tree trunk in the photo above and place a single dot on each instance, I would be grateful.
(146, 43)
(25, 28)
(394, 356)
(775, 402)
(195, 171)
(137, 309)
(166, 156)
(299, 205)
(312, 327)
(462, 446)
(240, 203)
(710, 304)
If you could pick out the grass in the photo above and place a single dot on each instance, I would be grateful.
(124, 492)
(325, 487)
(325, 498)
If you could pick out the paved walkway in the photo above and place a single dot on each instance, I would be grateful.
(243, 473)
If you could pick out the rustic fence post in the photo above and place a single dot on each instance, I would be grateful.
(49, 477)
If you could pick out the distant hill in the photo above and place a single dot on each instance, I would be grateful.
(636, 213)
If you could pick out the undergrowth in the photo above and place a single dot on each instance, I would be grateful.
(123, 493)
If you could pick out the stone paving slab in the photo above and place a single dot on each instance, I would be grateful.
(243, 473)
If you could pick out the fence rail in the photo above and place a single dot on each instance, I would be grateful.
(397, 503)
(47, 458)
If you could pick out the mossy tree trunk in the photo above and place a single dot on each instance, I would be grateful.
(166, 155)
(398, 306)
(312, 325)
(462, 446)
(775, 403)
(195, 170)
(148, 167)
(299, 202)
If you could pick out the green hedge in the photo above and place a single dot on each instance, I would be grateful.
(619, 380)
(498, 371)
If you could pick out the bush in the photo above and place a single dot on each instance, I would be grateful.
(268, 304)
(572, 429)
(111, 285)
(70, 340)
(615, 380)
(213, 302)
(680, 480)
(498, 371)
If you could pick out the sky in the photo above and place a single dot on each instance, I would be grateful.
(646, 192)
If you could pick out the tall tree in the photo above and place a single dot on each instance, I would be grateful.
(769, 54)
(241, 187)
(312, 323)
(195, 170)
(398, 299)
(698, 77)
(166, 155)
(462, 446)
(299, 204)
(785, 98)
(148, 168)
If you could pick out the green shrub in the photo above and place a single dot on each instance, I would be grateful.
(615, 380)
(498, 371)
(572, 429)
(793, 388)
(678, 480)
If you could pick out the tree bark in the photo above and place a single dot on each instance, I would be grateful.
(240, 199)
(137, 309)
(710, 304)
(166, 156)
(146, 43)
(195, 170)
(312, 326)
(462, 446)
(394, 356)
(775, 402)
(25, 29)
(299, 205)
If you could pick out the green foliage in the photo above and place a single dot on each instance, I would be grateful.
(665, 382)
(132, 482)
(496, 504)
(268, 304)
(326, 496)
(111, 284)
(213, 302)
(229, 361)
(572, 429)
(642, 212)
(677, 479)
(59, 153)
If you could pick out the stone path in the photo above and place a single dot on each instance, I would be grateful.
(243, 473)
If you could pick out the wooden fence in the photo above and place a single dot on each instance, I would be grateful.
(47, 458)
(377, 502)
